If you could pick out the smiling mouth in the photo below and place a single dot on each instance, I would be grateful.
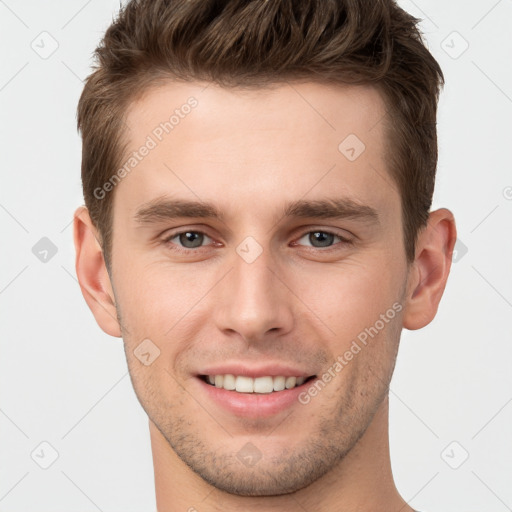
(248, 385)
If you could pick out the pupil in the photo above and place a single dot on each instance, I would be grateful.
(324, 239)
(191, 239)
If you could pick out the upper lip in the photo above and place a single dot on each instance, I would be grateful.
(273, 370)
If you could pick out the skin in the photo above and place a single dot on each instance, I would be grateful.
(249, 152)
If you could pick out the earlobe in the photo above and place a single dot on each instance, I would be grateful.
(92, 273)
(430, 270)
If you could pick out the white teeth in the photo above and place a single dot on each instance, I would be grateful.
(290, 382)
(279, 383)
(229, 382)
(244, 384)
(263, 385)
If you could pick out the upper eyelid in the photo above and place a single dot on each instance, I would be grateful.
(344, 239)
(328, 231)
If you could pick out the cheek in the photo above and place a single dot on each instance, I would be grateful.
(364, 355)
(349, 297)
(155, 295)
(160, 303)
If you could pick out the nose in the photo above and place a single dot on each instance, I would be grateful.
(254, 301)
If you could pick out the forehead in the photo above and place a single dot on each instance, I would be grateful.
(256, 146)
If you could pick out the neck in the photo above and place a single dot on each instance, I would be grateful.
(362, 481)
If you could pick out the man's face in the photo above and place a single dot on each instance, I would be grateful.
(260, 293)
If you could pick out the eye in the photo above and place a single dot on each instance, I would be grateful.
(187, 239)
(319, 238)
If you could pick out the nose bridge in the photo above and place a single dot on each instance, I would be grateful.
(253, 299)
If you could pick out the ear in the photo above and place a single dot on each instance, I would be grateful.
(429, 271)
(92, 273)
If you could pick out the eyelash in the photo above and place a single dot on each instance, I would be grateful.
(184, 250)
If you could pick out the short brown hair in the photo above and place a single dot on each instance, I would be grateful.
(254, 43)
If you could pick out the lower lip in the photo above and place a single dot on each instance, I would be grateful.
(253, 405)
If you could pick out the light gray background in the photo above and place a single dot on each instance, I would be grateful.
(65, 382)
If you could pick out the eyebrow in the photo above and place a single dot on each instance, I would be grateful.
(339, 208)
